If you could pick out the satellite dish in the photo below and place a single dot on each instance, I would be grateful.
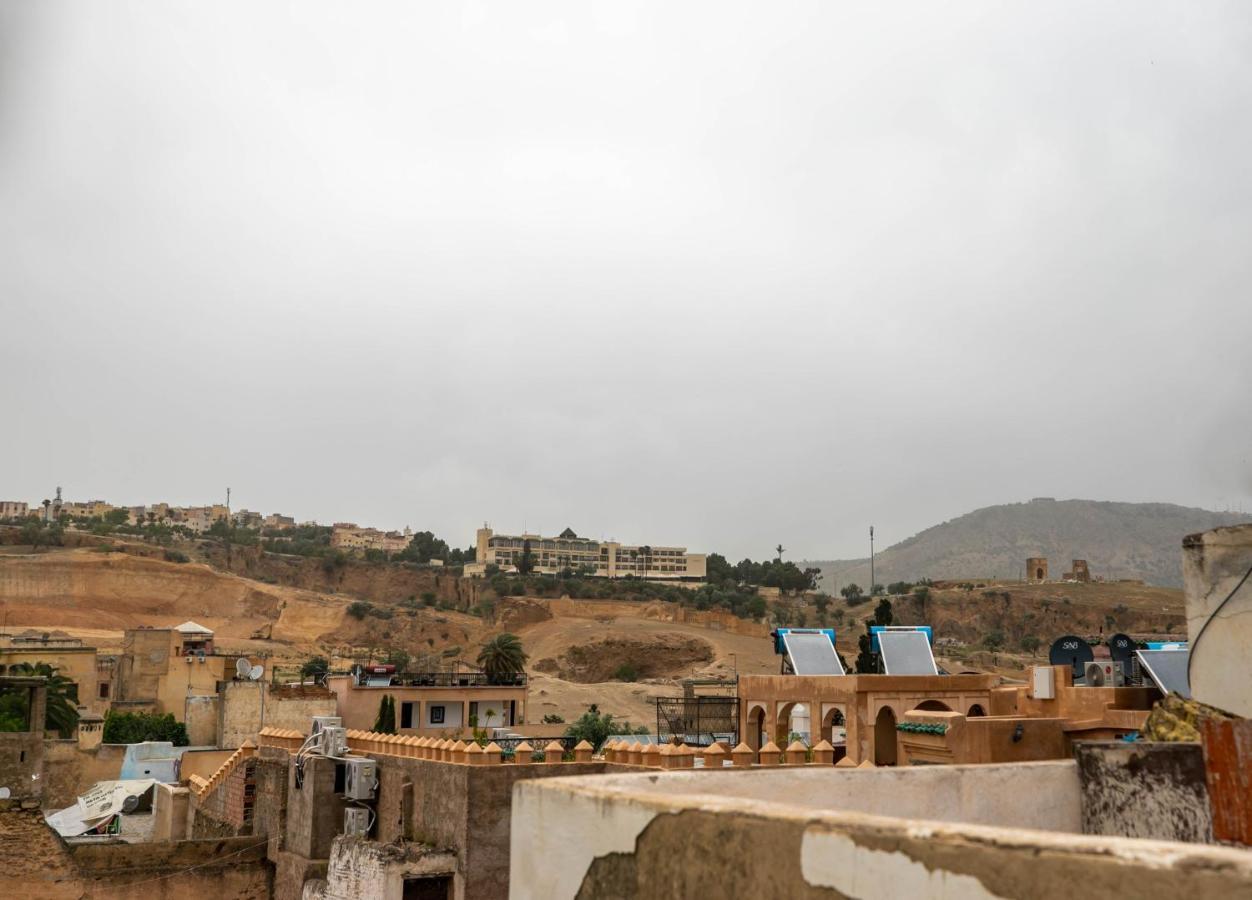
(1122, 649)
(1071, 650)
(130, 804)
(242, 667)
(256, 672)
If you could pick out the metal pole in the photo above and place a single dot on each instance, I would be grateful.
(871, 560)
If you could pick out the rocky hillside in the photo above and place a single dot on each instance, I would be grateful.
(1118, 540)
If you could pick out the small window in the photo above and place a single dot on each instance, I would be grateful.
(104, 690)
(406, 715)
(436, 715)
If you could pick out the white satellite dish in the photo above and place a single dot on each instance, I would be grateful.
(242, 668)
(256, 672)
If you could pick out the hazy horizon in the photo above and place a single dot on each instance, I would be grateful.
(716, 275)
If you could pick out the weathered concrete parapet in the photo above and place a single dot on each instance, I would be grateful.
(1215, 574)
(1144, 789)
(742, 756)
(796, 754)
(583, 751)
(770, 755)
(281, 738)
(823, 753)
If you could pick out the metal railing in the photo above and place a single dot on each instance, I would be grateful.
(697, 721)
(442, 679)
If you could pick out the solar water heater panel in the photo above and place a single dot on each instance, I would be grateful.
(906, 653)
(812, 654)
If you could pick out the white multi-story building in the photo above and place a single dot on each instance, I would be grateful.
(607, 559)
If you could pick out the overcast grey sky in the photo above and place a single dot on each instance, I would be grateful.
(716, 274)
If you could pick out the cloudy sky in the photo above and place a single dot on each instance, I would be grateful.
(717, 274)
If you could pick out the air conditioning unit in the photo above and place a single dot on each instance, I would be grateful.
(321, 723)
(356, 821)
(360, 779)
(190, 659)
(333, 741)
(1103, 673)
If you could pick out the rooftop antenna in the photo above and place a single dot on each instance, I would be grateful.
(871, 560)
(780, 551)
(228, 500)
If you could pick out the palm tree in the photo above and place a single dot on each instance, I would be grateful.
(502, 657)
(61, 707)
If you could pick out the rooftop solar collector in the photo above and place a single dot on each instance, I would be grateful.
(906, 653)
(1168, 669)
(812, 654)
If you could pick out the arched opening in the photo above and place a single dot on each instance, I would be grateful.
(755, 736)
(975, 711)
(834, 726)
(885, 737)
(934, 706)
(1038, 574)
(793, 718)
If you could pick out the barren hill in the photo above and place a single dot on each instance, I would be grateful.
(1118, 540)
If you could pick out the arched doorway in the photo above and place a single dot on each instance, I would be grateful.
(793, 718)
(833, 720)
(933, 706)
(755, 736)
(1038, 574)
(885, 737)
(975, 711)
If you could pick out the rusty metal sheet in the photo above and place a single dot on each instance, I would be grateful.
(1228, 771)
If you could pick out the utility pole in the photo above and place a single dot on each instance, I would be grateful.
(871, 560)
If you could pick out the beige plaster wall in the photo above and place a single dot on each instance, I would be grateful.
(1213, 565)
(642, 836)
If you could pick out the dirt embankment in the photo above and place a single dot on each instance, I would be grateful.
(658, 655)
(373, 582)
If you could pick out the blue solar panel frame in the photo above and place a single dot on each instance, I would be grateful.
(875, 630)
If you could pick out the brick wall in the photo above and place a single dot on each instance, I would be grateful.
(227, 810)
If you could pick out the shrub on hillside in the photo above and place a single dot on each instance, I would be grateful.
(360, 609)
(176, 556)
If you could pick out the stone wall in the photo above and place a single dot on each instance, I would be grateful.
(1144, 789)
(37, 863)
(248, 706)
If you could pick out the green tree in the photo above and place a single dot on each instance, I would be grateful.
(315, 668)
(135, 728)
(851, 591)
(525, 562)
(385, 723)
(61, 708)
(502, 657)
(595, 727)
(882, 612)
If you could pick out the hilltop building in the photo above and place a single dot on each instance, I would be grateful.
(606, 559)
(13, 509)
(1036, 569)
(350, 536)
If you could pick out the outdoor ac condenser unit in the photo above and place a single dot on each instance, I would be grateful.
(333, 741)
(356, 821)
(360, 779)
(322, 722)
(1103, 673)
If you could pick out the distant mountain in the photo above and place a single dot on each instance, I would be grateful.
(1118, 540)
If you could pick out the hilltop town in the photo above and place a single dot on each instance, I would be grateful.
(173, 674)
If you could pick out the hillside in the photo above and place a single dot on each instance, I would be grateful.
(1118, 540)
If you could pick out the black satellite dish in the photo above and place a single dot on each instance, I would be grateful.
(1122, 648)
(1070, 650)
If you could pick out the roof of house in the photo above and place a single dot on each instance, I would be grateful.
(190, 627)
